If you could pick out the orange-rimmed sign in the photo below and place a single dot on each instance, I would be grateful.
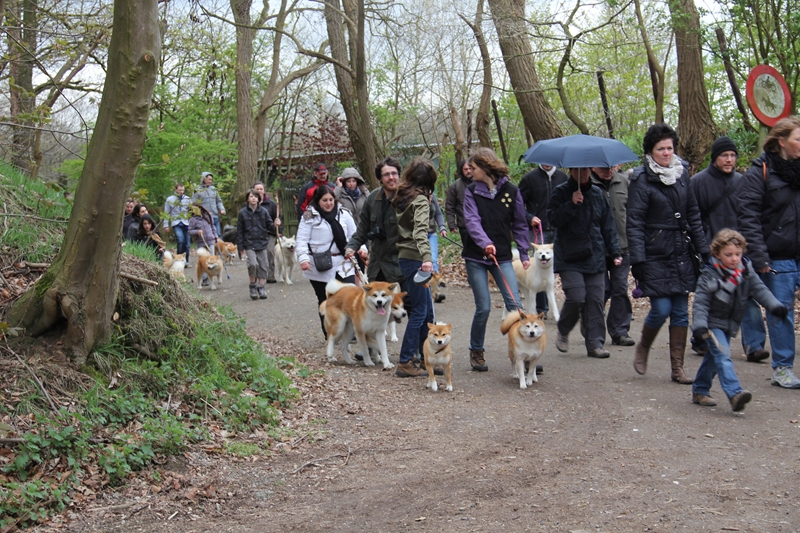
(768, 95)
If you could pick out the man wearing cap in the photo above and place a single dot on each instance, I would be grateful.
(320, 179)
(715, 189)
(208, 196)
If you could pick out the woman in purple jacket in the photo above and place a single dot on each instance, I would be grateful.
(493, 211)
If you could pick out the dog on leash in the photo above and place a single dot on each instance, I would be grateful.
(526, 344)
(227, 250)
(210, 265)
(437, 283)
(437, 351)
(364, 311)
(176, 269)
(398, 314)
(538, 278)
(285, 259)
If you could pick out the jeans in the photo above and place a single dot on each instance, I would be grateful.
(479, 282)
(182, 236)
(754, 333)
(781, 331)
(420, 314)
(676, 307)
(620, 311)
(717, 361)
(219, 228)
(584, 296)
(433, 239)
(542, 305)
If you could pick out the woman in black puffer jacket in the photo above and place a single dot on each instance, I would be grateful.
(657, 237)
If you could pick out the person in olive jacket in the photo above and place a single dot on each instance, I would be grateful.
(252, 236)
(585, 234)
(662, 216)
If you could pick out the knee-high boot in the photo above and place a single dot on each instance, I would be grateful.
(643, 349)
(677, 347)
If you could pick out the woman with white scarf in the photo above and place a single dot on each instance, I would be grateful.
(663, 218)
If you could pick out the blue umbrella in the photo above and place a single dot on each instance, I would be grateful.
(579, 151)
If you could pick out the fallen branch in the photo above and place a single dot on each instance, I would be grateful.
(10, 440)
(35, 378)
(140, 280)
(315, 461)
(64, 220)
(35, 266)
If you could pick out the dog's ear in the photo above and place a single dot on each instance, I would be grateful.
(541, 316)
(522, 315)
(392, 287)
(430, 326)
(401, 294)
(367, 287)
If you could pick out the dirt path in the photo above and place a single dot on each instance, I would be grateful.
(591, 447)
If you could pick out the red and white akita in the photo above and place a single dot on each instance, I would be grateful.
(398, 313)
(364, 310)
(526, 343)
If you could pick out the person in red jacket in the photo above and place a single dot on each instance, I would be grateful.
(307, 192)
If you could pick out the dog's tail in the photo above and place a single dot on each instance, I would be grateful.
(322, 308)
(511, 318)
(167, 259)
(333, 287)
(515, 254)
(201, 251)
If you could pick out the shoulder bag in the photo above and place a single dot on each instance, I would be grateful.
(322, 260)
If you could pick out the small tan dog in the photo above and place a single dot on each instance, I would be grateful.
(177, 266)
(526, 343)
(227, 250)
(437, 351)
(437, 283)
(398, 314)
(210, 265)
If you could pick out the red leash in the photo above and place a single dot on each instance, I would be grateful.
(510, 292)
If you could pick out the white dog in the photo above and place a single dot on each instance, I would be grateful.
(285, 260)
(539, 277)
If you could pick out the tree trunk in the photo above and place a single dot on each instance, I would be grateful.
(247, 147)
(460, 144)
(538, 116)
(737, 94)
(21, 93)
(562, 92)
(482, 119)
(656, 70)
(82, 282)
(696, 127)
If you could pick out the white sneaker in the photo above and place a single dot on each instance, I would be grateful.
(784, 377)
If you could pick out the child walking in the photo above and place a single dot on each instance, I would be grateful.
(252, 236)
(719, 305)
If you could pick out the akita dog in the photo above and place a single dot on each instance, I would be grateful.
(364, 310)
(210, 265)
(227, 250)
(437, 351)
(398, 314)
(538, 278)
(285, 259)
(526, 343)
(177, 266)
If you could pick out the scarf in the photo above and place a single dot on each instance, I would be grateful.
(354, 194)
(723, 289)
(787, 170)
(332, 218)
(668, 175)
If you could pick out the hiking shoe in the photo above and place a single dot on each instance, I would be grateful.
(253, 292)
(477, 361)
(740, 400)
(272, 281)
(438, 370)
(359, 356)
(409, 370)
(704, 400)
(440, 298)
(262, 293)
(539, 368)
(623, 340)
(598, 353)
(783, 377)
(562, 342)
(757, 356)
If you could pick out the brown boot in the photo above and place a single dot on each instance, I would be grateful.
(677, 347)
(477, 361)
(409, 370)
(643, 349)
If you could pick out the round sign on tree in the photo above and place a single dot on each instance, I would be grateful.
(768, 95)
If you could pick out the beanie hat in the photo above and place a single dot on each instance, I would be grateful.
(206, 174)
(723, 144)
(350, 172)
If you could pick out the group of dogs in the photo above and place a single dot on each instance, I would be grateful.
(367, 311)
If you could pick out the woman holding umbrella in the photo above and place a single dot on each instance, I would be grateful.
(665, 234)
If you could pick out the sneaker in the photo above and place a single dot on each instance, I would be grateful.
(740, 400)
(262, 293)
(204, 282)
(272, 281)
(359, 356)
(477, 361)
(704, 400)
(539, 368)
(783, 377)
(562, 342)
(756, 356)
(623, 340)
(409, 370)
(599, 353)
(253, 292)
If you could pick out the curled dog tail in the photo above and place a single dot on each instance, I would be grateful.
(203, 251)
(333, 287)
(322, 307)
(512, 318)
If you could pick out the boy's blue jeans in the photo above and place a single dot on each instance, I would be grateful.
(717, 361)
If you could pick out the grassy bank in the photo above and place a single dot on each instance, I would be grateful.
(177, 372)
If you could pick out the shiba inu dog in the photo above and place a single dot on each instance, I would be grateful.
(285, 259)
(167, 259)
(398, 314)
(538, 278)
(178, 264)
(365, 310)
(210, 265)
(437, 351)
(227, 250)
(526, 342)
(437, 283)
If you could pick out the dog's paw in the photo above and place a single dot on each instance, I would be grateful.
(289, 282)
(394, 339)
(368, 362)
(433, 386)
(523, 385)
(449, 388)
(388, 366)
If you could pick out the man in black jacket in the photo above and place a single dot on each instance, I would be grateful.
(252, 235)
(272, 208)
(715, 191)
(536, 187)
